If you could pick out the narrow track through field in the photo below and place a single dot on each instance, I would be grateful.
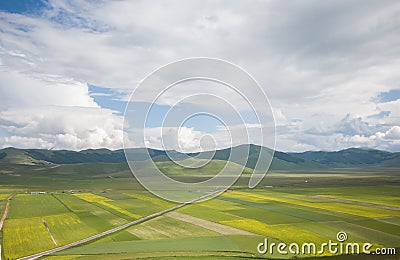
(116, 229)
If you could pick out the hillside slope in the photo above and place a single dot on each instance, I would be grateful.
(348, 158)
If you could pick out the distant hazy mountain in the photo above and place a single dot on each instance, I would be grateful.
(348, 158)
(352, 156)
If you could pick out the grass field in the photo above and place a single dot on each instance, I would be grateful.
(68, 217)
(38, 222)
(291, 211)
(289, 215)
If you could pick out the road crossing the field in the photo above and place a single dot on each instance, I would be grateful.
(3, 218)
(113, 230)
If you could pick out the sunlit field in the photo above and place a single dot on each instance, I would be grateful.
(230, 225)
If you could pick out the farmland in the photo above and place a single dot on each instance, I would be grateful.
(39, 222)
(283, 208)
(289, 215)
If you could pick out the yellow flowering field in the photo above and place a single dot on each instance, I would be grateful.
(221, 205)
(67, 228)
(4, 196)
(283, 232)
(90, 197)
(331, 206)
(25, 236)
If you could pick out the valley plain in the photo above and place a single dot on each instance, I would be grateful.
(55, 204)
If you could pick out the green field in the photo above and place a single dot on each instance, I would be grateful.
(38, 222)
(289, 215)
(230, 226)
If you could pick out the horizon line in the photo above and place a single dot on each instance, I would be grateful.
(219, 149)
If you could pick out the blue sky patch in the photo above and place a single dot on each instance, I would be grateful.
(203, 123)
(391, 95)
(108, 98)
(200, 122)
(22, 6)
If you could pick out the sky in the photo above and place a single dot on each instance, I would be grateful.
(330, 69)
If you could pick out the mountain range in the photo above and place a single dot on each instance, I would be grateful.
(347, 158)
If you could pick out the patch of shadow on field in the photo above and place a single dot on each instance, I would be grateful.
(216, 227)
(365, 204)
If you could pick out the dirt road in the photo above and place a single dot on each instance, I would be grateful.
(3, 218)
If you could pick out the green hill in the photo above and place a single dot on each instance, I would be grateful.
(348, 158)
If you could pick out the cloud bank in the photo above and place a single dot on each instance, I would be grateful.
(329, 68)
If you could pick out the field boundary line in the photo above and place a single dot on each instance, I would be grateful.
(62, 202)
(375, 230)
(116, 229)
(6, 209)
(210, 225)
(110, 210)
(48, 230)
(3, 219)
(359, 203)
